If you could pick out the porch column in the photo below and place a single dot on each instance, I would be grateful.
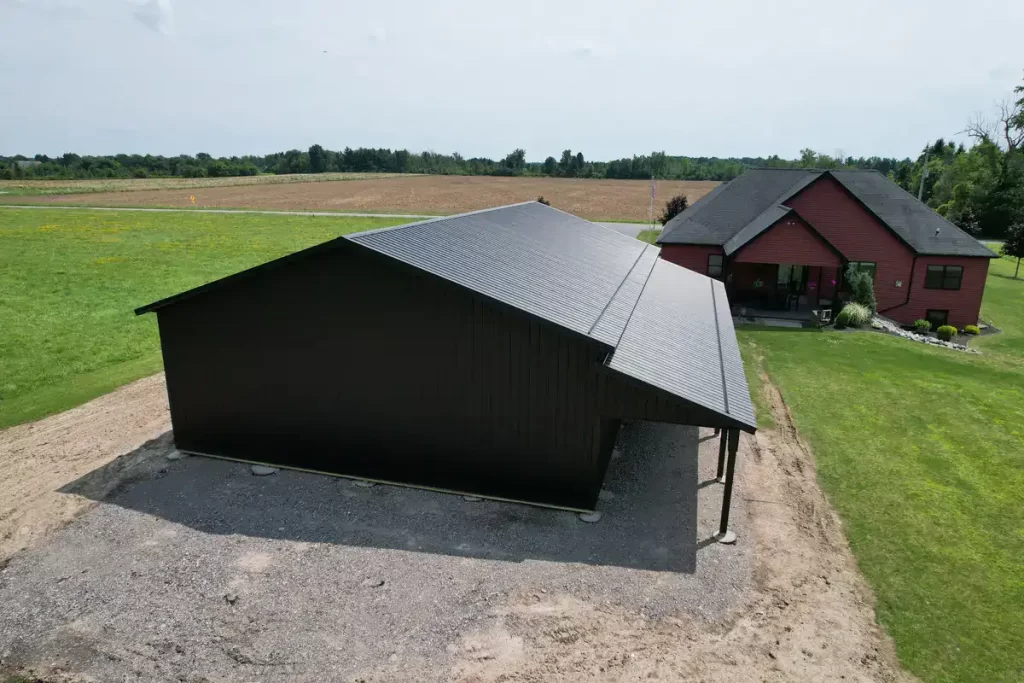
(721, 456)
(724, 535)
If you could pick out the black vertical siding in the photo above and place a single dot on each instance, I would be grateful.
(352, 363)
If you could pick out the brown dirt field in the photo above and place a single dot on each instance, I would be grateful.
(809, 615)
(626, 200)
(57, 187)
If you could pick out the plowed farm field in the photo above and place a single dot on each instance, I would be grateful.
(624, 200)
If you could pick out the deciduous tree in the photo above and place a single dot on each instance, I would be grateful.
(1014, 244)
(317, 159)
(674, 207)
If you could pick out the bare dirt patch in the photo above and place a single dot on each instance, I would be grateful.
(627, 200)
(39, 458)
(807, 614)
(809, 617)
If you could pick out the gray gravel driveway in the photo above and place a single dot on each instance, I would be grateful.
(205, 572)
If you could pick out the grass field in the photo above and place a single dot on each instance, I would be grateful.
(70, 280)
(921, 450)
(649, 236)
(622, 200)
(12, 190)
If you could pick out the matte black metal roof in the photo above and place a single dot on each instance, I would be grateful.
(663, 325)
(680, 338)
(538, 259)
(734, 213)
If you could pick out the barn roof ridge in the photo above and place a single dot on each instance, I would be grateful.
(663, 327)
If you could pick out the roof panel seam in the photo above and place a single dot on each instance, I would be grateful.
(636, 303)
(616, 292)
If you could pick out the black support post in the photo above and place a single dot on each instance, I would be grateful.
(734, 442)
(721, 455)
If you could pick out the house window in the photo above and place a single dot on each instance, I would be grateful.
(943, 277)
(715, 265)
(864, 267)
(936, 317)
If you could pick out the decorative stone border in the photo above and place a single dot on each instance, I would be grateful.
(889, 327)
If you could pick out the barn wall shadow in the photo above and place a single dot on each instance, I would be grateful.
(649, 507)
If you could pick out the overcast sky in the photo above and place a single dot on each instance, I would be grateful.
(608, 78)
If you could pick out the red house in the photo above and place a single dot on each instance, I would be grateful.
(782, 239)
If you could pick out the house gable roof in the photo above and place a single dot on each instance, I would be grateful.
(750, 240)
(588, 279)
(738, 212)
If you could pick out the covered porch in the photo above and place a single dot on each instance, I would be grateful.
(782, 265)
(787, 290)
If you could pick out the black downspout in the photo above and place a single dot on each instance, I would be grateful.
(910, 286)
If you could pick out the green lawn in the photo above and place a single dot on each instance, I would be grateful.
(921, 450)
(70, 280)
(649, 236)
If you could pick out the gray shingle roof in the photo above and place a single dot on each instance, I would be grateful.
(923, 229)
(668, 327)
(727, 209)
(762, 222)
(735, 213)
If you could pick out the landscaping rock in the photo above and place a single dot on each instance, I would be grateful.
(175, 455)
(263, 470)
(372, 583)
(889, 327)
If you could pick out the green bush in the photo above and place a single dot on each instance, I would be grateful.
(862, 288)
(972, 329)
(922, 326)
(853, 315)
(946, 332)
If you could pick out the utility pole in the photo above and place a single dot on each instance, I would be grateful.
(652, 201)
(924, 174)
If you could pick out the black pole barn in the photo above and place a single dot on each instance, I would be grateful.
(493, 353)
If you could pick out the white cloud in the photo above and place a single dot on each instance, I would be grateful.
(157, 15)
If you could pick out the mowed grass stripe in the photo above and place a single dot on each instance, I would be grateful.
(71, 279)
(921, 450)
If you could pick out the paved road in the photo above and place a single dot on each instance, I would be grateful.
(631, 229)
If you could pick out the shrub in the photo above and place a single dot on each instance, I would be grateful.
(674, 207)
(853, 315)
(972, 329)
(543, 201)
(946, 332)
(922, 326)
(862, 288)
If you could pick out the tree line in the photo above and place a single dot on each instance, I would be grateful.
(318, 159)
(979, 188)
